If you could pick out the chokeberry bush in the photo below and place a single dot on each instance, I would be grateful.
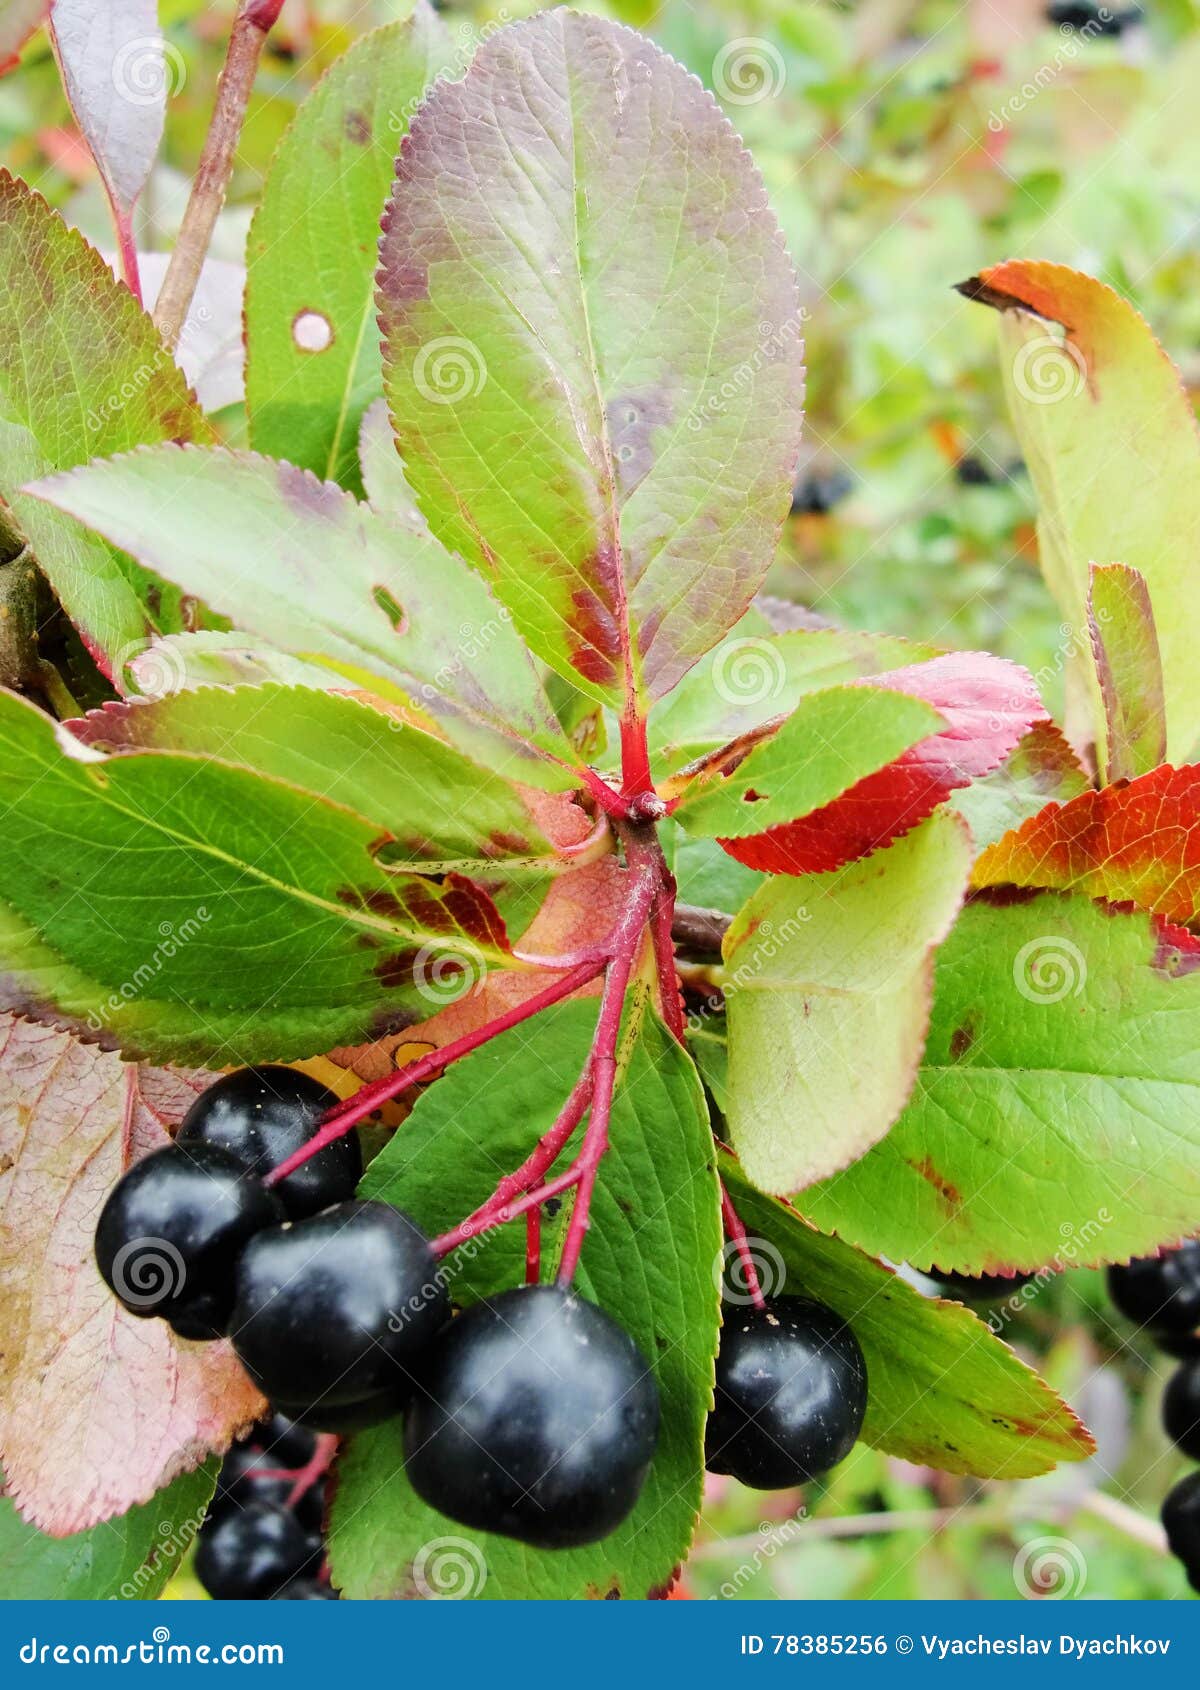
(488, 995)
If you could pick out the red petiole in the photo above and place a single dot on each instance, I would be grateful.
(737, 1235)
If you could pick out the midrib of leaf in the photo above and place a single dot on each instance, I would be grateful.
(622, 604)
(335, 444)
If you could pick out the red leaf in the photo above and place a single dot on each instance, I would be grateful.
(989, 705)
(1138, 843)
(98, 1410)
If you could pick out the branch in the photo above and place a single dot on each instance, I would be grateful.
(250, 30)
(699, 932)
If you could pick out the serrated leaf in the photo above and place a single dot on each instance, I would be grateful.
(1042, 770)
(1056, 1117)
(1129, 669)
(213, 659)
(632, 360)
(832, 740)
(756, 674)
(82, 373)
(382, 473)
(828, 982)
(441, 810)
(313, 363)
(128, 1559)
(191, 909)
(115, 75)
(1113, 448)
(319, 574)
(98, 1410)
(942, 1390)
(1139, 842)
(648, 1259)
(986, 705)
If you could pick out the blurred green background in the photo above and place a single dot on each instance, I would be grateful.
(904, 146)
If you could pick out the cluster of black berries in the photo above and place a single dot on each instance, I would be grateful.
(261, 1539)
(532, 1414)
(1162, 1295)
(1091, 18)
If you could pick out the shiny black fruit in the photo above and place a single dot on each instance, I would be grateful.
(254, 1553)
(333, 1313)
(537, 1417)
(170, 1234)
(1181, 1520)
(791, 1393)
(1181, 1409)
(1161, 1293)
(262, 1115)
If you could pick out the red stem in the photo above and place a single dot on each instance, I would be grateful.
(314, 1469)
(340, 1120)
(635, 757)
(127, 251)
(737, 1232)
(533, 1246)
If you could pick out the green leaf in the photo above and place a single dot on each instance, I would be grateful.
(1088, 402)
(129, 1558)
(581, 282)
(319, 574)
(1129, 669)
(1056, 1117)
(82, 373)
(755, 675)
(441, 810)
(941, 1389)
(312, 348)
(832, 739)
(828, 983)
(648, 1259)
(193, 910)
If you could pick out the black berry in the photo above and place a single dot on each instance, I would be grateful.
(169, 1236)
(791, 1393)
(288, 1444)
(981, 1287)
(1160, 1292)
(333, 1312)
(1091, 18)
(537, 1418)
(818, 491)
(253, 1477)
(1181, 1409)
(308, 1590)
(262, 1115)
(1181, 1520)
(254, 1553)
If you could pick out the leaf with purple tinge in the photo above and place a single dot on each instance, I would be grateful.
(116, 72)
(1129, 667)
(98, 1408)
(591, 348)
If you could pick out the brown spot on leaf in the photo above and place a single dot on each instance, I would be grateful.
(358, 127)
(950, 1194)
(961, 1041)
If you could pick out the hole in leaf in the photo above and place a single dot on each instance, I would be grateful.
(312, 331)
(752, 797)
(391, 608)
